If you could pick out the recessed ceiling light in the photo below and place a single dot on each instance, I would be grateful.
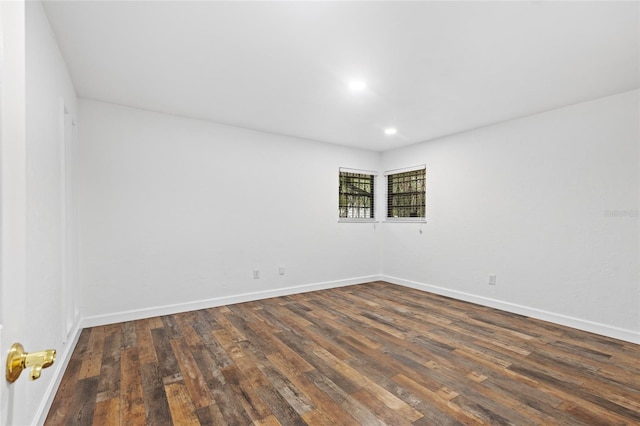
(390, 131)
(357, 85)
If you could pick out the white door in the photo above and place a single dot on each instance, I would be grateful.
(13, 297)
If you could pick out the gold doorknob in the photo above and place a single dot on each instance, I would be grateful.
(18, 360)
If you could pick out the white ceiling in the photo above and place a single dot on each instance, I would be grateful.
(432, 68)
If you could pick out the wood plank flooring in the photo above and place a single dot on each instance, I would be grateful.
(368, 354)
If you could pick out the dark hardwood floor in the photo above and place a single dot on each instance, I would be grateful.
(369, 354)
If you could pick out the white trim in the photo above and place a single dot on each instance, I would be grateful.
(405, 220)
(64, 241)
(564, 320)
(356, 220)
(68, 223)
(137, 314)
(359, 171)
(405, 169)
(61, 363)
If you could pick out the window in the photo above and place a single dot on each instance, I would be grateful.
(356, 195)
(406, 194)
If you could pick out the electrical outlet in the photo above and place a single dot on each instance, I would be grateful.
(281, 270)
(256, 274)
(492, 279)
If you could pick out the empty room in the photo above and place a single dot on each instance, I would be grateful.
(322, 213)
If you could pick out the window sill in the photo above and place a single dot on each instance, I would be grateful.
(355, 220)
(405, 220)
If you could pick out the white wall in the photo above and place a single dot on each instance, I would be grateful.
(48, 86)
(178, 211)
(548, 203)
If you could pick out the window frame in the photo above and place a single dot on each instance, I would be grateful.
(373, 197)
(404, 219)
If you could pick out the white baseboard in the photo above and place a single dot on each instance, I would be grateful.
(137, 314)
(60, 366)
(577, 323)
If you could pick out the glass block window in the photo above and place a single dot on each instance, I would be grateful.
(406, 194)
(356, 195)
